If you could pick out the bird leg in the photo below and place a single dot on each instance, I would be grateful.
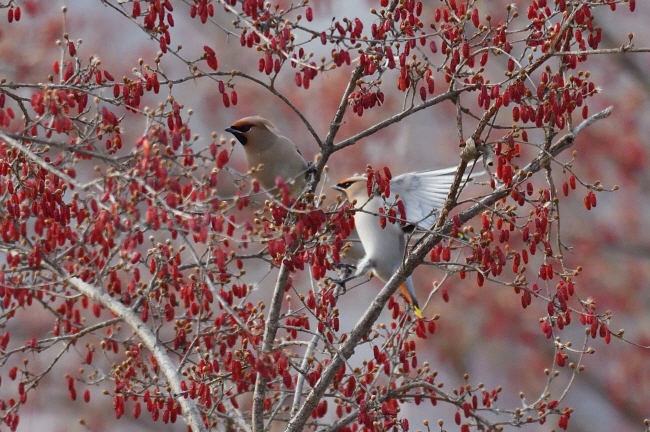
(310, 175)
(362, 268)
(346, 271)
(341, 282)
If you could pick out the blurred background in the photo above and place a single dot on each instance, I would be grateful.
(482, 331)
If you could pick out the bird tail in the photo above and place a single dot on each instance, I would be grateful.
(408, 291)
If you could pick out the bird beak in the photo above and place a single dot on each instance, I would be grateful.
(238, 134)
(338, 188)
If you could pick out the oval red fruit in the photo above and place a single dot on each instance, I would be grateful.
(475, 19)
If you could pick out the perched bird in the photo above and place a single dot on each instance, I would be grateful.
(264, 145)
(423, 195)
(270, 155)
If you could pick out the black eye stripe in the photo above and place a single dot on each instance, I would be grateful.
(245, 128)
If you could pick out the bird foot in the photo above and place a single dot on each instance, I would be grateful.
(340, 284)
(344, 270)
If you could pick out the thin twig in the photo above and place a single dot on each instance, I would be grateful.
(149, 339)
(416, 256)
(270, 331)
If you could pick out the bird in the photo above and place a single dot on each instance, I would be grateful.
(423, 195)
(270, 155)
(265, 145)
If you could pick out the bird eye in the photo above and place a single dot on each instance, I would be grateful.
(245, 128)
(345, 185)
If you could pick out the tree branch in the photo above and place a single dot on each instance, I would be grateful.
(415, 257)
(149, 339)
(450, 95)
(270, 331)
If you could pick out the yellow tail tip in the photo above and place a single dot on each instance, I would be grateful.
(417, 311)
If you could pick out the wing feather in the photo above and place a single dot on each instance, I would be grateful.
(424, 193)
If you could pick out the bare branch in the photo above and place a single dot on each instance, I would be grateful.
(149, 339)
(270, 331)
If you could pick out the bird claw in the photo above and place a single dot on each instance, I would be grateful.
(344, 270)
(340, 283)
(341, 288)
(311, 170)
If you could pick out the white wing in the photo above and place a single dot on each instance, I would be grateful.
(424, 193)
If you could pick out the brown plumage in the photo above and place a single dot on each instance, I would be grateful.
(264, 145)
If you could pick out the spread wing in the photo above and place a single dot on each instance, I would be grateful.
(424, 193)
